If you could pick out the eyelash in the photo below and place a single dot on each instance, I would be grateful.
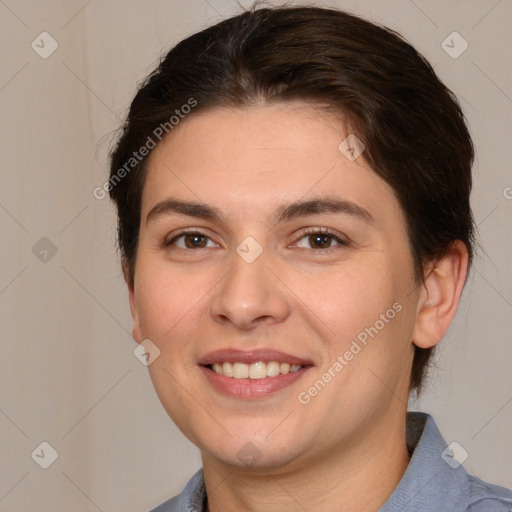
(186, 232)
(307, 232)
(325, 232)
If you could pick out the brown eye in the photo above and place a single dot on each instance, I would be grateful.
(191, 241)
(319, 240)
(195, 241)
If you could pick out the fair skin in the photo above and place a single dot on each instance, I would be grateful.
(308, 297)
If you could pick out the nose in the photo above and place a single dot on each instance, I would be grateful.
(250, 295)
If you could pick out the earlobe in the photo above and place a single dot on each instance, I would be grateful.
(440, 296)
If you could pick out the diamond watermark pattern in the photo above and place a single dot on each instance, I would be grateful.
(352, 147)
(44, 45)
(249, 249)
(147, 352)
(44, 250)
(454, 45)
(249, 454)
(454, 455)
(45, 455)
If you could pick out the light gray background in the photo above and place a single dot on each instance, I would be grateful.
(68, 375)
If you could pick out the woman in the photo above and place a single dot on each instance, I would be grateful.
(292, 188)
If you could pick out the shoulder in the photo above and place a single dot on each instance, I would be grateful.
(169, 506)
(485, 497)
(190, 500)
(436, 480)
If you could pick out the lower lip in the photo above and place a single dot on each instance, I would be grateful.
(251, 388)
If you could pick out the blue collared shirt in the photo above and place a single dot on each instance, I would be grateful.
(433, 482)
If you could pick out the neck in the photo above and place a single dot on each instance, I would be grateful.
(358, 476)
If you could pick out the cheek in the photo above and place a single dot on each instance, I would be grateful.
(348, 297)
(162, 298)
(367, 321)
(172, 305)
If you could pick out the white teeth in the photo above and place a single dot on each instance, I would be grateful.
(273, 369)
(240, 371)
(227, 370)
(257, 370)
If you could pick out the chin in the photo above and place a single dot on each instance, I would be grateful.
(253, 451)
(252, 457)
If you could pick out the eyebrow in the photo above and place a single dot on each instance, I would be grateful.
(287, 211)
(189, 208)
(321, 206)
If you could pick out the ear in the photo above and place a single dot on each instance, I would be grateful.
(130, 283)
(440, 296)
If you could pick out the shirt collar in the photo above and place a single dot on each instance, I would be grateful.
(433, 476)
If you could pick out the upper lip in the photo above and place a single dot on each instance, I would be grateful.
(229, 355)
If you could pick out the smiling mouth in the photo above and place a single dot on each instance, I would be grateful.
(254, 371)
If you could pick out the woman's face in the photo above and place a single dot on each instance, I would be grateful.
(275, 276)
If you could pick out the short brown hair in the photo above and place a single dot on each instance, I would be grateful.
(412, 125)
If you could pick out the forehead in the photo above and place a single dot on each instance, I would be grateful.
(259, 158)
